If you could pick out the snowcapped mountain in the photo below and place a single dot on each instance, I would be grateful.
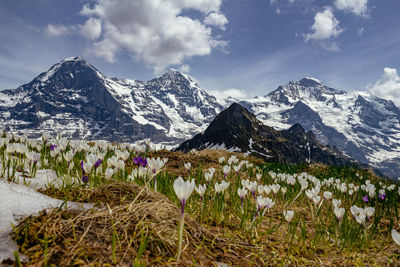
(75, 100)
(363, 126)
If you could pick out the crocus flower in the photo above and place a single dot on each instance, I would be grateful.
(201, 190)
(155, 165)
(97, 164)
(339, 212)
(396, 236)
(183, 190)
(252, 186)
(382, 196)
(108, 173)
(138, 160)
(288, 215)
(226, 170)
(85, 178)
(327, 195)
(187, 165)
(242, 192)
(365, 199)
(221, 187)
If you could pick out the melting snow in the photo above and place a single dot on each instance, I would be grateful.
(17, 202)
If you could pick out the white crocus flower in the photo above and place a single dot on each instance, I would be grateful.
(396, 236)
(226, 169)
(156, 165)
(339, 212)
(288, 215)
(69, 156)
(221, 187)
(87, 167)
(187, 165)
(327, 195)
(108, 173)
(283, 190)
(201, 189)
(242, 192)
(183, 190)
(275, 188)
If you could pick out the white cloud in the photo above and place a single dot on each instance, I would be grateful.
(91, 29)
(216, 19)
(325, 26)
(153, 31)
(184, 68)
(235, 93)
(58, 30)
(388, 86)
(358, 7)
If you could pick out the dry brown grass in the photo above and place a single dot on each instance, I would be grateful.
(135, 214)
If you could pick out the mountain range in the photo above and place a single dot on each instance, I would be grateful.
(76, 100)
(236, 129)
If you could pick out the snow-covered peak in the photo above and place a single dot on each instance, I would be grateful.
(70, 66)
(306, 89)
(73, 59)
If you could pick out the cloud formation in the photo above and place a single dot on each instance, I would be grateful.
(216, 19)
(92, 28)
(358, 7)
(156, 32)
(221, 95)
(388, 86)
(325, 26)
(58, 30)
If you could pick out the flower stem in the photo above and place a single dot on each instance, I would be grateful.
(181, 224)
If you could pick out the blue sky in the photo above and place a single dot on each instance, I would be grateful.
(243, 48)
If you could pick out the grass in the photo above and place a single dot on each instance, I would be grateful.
(132, 224)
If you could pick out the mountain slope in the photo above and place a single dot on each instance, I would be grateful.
(74, 99)
(237, 129)
(363, 126)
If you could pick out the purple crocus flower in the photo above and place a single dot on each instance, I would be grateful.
(85, 178)
(382, 196)
(144, 163)
(137, 160)
(97, 164)
(52, 147)
(365, 199)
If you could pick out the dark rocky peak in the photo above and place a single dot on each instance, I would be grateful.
(235, 116)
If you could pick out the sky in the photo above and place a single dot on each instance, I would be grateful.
(233, 48)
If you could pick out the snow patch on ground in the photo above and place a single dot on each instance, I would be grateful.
(17, 202)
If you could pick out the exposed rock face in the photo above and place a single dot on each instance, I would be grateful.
(237, 129)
